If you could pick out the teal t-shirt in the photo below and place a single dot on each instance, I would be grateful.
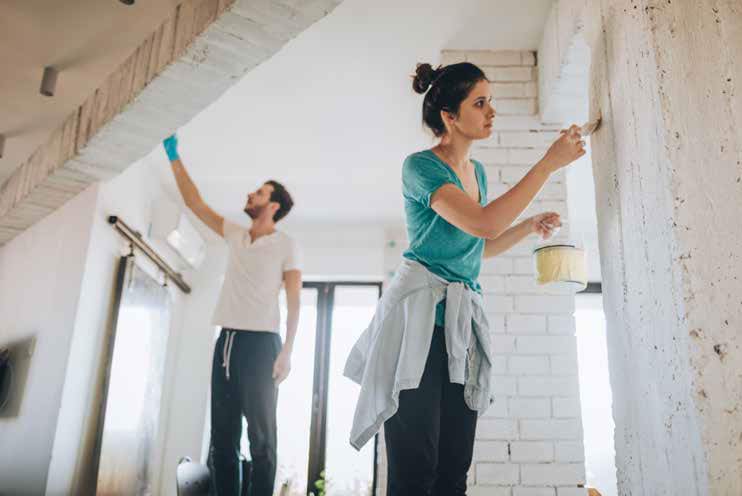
(442, 248)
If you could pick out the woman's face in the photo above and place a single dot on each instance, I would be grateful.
(475, 114)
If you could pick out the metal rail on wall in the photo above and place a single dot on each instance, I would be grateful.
(135, 238)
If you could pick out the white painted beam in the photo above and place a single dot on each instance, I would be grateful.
(185, 64)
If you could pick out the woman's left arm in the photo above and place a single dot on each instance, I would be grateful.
(543, 224)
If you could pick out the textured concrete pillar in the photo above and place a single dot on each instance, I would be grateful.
(667, 163)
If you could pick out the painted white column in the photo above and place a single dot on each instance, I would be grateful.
(667, 165)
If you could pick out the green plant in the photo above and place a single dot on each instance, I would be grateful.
(321, 485)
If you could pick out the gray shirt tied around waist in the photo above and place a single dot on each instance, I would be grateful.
(390, 355)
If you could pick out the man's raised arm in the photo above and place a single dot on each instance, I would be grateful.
(188, 189)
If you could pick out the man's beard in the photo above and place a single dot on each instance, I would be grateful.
(254, 212)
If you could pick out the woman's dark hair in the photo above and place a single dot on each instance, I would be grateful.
(282, 197)
(449, 86)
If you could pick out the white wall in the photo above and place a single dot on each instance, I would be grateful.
(129, 196)
(190, 377)
(341, 251)
(41, 273)
(56, 282)
(530, 441)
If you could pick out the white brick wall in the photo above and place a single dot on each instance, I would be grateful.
(553, 473)
(534, 452)
(496, 429)
(534, 491)
(489, 491)
(570, 451)
(552, 429)
(566, 407)
(529, 443)
(571, 491)
(528, 365)
(492, 451)
(526, 324)
(498, 473)
(520, 407)
(536, 413)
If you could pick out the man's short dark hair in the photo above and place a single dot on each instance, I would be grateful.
(283, 198)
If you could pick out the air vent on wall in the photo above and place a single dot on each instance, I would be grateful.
(171, 225)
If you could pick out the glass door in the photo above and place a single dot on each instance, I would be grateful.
(347, 471)
(295, 401)
(344, 311)
(316, 403)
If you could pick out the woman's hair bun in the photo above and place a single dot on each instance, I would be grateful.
(424, 76)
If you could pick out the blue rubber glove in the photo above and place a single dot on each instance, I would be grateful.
(171, 147)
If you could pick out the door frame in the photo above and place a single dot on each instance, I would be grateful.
(323, 340)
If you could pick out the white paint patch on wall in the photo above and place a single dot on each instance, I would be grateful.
(564, 63)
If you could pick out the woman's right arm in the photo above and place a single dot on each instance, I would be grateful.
(496, 217)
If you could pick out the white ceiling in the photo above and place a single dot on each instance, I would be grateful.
(333, 115)
(502, 25)
(84, 39)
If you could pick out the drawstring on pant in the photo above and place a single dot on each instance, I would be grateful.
(227, 351)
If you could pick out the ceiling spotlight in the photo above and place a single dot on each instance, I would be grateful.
(127, 2)
(49, 81)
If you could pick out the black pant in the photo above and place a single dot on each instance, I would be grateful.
(244, 387)
(430, 440)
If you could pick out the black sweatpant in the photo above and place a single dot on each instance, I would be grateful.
(430, 440)
(242, 384)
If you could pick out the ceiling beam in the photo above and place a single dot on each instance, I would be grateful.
(203, 48)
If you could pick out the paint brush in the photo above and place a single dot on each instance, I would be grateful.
(591, 126)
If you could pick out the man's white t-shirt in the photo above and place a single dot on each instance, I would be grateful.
(249, 296)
